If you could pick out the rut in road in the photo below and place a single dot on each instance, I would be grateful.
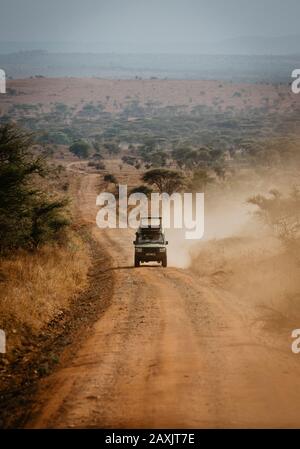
(172, 350)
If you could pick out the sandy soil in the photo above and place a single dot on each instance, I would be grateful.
(172, 350)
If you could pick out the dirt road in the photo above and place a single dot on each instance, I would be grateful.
(172, 350)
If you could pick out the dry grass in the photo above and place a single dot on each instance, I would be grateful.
(116, 94)
(37, 286)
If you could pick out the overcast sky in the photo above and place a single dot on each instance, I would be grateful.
(149, 24)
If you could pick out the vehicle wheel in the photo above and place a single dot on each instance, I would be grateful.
(136, 262)
(164, 261)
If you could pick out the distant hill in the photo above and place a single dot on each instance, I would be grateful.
(253, 45)
(237, 68)
(244, 45)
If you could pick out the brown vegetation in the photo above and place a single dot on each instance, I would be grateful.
(36, 286)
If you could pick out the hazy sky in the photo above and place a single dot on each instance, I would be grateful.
(148, 23)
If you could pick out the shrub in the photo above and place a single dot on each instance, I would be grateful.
(97, 165)
(111, 179)
(28, 215)
(282, 214)
(81, 149)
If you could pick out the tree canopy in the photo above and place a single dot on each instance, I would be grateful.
(164, 180)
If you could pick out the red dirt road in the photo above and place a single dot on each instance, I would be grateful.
(173, 350)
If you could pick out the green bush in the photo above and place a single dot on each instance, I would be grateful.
(81, 149)
(28, 215)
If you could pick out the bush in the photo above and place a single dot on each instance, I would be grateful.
(28, 216)
(81, 149)
(111, 179)
(97, 165)
(282, 214)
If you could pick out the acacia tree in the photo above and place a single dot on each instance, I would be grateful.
(28, 216)
(164, 180)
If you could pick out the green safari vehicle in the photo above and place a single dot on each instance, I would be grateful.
(150, 244)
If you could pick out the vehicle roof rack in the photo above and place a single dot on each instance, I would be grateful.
(151, 223)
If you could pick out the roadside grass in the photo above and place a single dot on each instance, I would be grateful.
(36, 286)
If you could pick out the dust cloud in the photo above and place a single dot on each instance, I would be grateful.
(241, 255)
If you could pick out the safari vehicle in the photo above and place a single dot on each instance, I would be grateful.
(150, 243)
